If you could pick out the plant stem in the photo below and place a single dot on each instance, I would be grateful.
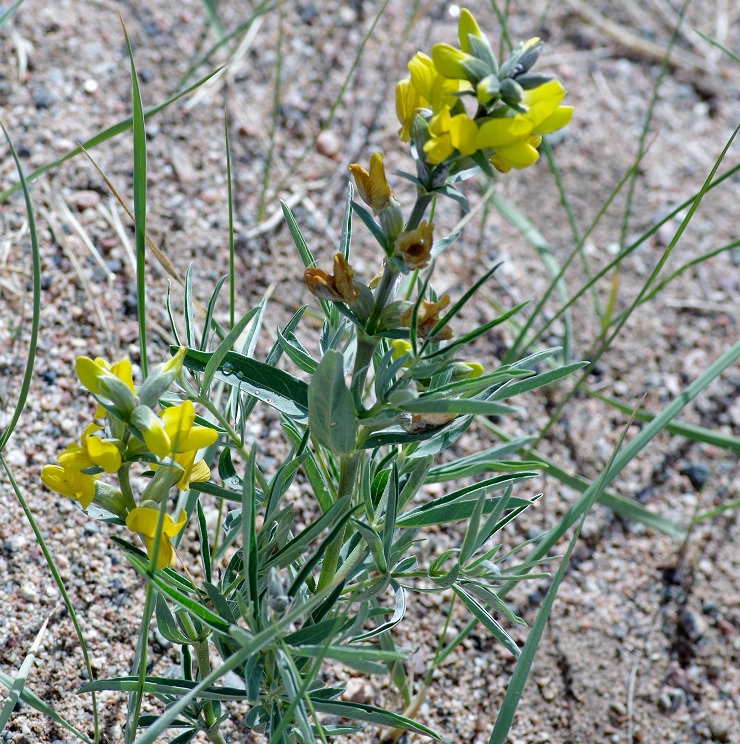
(422, 202)
(349, 468)
(204, 669)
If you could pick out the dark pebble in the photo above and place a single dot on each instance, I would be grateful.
(693, 624)
(308, 13)
(44, 98)
(49, 376)
(697, 473)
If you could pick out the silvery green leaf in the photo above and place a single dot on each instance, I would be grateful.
(331, 411)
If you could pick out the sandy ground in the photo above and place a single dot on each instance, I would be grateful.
(644, 639)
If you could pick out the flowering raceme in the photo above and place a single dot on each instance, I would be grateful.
(515, 106)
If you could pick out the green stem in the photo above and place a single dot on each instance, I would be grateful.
(202, 654)
(349, 468)
(422, 202)
(132, 720)
(125, 482)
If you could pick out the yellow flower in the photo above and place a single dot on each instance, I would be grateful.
(431, 86)
(91, 451)
(70, 483)
(545, 111)
(143, 520)
(449, 133)
(455, 64)
(476, 369)
(415, 246)
(408, 100)
(428, 317)
(337, 287)
(401, 348)
(173, 431)
(183, 434)
(373, 185)
(510, 137)
(467, 25)
(113, 382)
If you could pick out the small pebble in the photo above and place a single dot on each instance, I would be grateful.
(29, 593)
(720, 727)
(693, 624)
(86, 200)
(90, 85)
(16, 458)
(328, 144)
(15, 543)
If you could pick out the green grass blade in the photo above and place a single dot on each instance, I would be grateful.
(211, 10)
(679, 210)
(277, 92)
(690, 431)
(8, 14)
(19, 683)
(62, 590)
(600, 345)
(636, 446)
(36, 270)
(505, 718)
(230, 195)
(732, 55)
(139, 203)
(537, 240)
(38, 704)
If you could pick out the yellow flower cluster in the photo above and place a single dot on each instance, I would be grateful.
(514, 107)
(134, 432)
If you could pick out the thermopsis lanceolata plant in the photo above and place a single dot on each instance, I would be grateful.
(365, 421)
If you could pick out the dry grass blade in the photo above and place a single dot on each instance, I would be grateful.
(62, 240)
(227, 73)
(66, 213)
(634, 43)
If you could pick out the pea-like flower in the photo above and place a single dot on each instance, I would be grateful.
(372, 185)
(337, 287)
(174, 431)
(70, 483)
(92, 451)
(428, 317)
(408, 102)
(143, 520)
(112, 382)
(414, 247)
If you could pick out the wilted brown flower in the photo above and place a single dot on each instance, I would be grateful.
(415, 246)
(428, 317)
(339, 287)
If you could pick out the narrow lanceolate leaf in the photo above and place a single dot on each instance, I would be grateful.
(371, 714)
(478, 463)
(460, 504)
(181, 599)
(269, 384)
(487, 620)
(459, 405)
(517, 387)
(163, 686)
(216, 361)
(331, 411)
(399, 611)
